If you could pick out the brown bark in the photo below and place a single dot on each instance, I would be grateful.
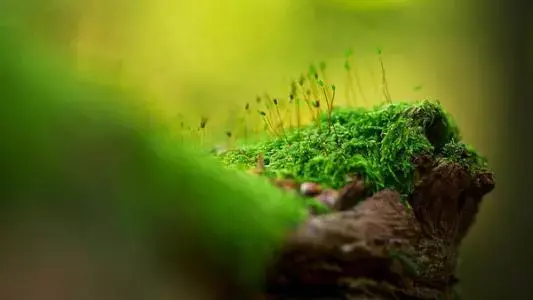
(382, 249)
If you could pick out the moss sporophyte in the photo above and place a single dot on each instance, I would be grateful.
(379, 144)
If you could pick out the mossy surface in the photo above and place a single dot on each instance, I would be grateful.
(379, 143)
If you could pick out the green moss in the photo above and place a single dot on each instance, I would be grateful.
(457, 152)
(408, 262)
(379, 144)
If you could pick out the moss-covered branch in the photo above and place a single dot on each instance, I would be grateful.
(394, 231)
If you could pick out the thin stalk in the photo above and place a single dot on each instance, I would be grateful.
(350, 87)
(268, 123)
(314, 89)
(352, 74)
(268, 106)
(359, 85)
(229, 136)
(281, 124)
(203, 124)
(385, 86)
(246, 114)
(307, 100)
(374, 81)
(334, 89)
(298, 120)
(301, 83)
(329, 107)
(317, 118)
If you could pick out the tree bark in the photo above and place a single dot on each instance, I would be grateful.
(381, 248)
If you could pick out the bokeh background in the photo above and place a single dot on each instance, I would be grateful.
(208, 58)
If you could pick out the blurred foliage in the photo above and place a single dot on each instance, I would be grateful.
(90, 157)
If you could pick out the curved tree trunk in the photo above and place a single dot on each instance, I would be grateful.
(381, 249)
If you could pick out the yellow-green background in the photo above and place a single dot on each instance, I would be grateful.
(207, 57)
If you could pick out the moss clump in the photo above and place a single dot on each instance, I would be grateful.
(380, 144)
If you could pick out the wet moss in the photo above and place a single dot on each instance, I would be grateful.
(380, 144)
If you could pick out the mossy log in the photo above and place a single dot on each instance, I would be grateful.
(399, 237)
(379, 249)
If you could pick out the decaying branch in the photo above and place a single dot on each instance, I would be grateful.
(381, 248)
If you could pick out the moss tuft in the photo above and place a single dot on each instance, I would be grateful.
(379, 144)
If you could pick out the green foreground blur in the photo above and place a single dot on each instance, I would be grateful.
(88, 158)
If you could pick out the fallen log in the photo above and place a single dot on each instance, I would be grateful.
(381, 248)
